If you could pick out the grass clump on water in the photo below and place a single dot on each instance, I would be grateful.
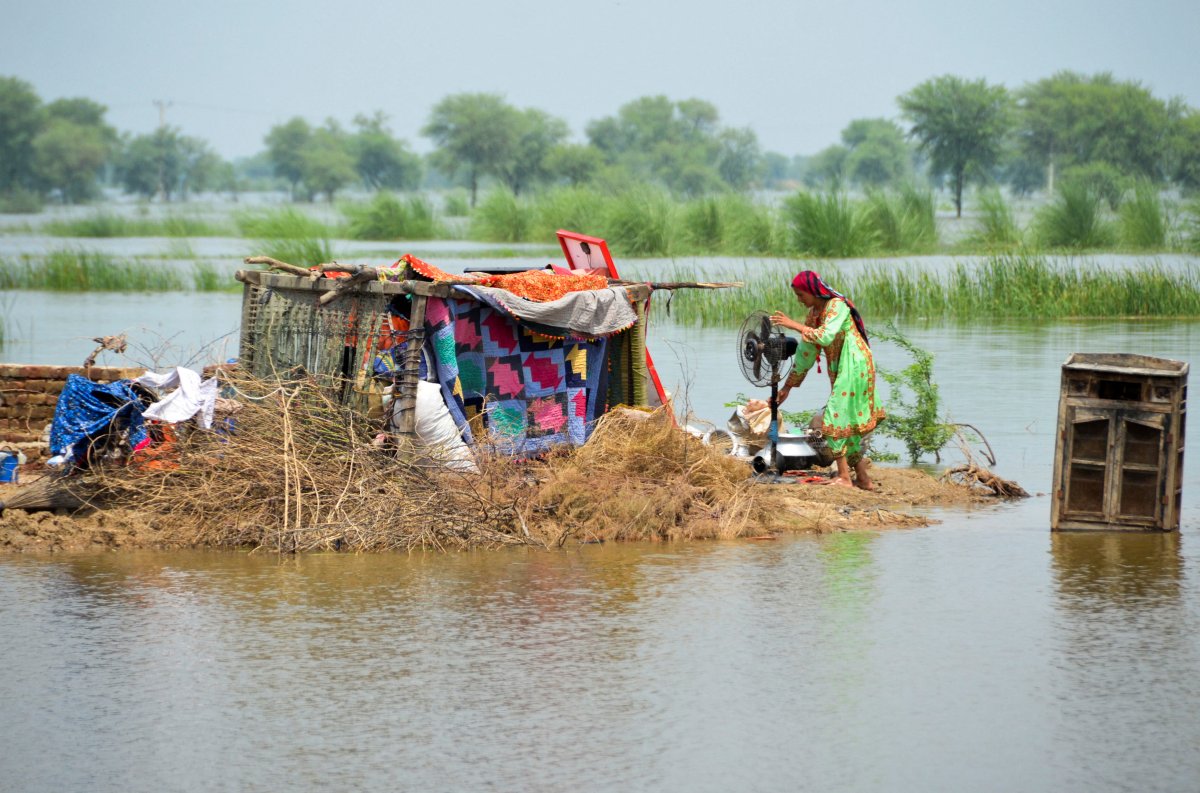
(1143, 220)
(829, 225)
(92, 271)
(903, 221)
(502, 217)
(1074, 220)
(386, 217)
(107, 224)
(997, 228)
(1008, 286)
(288, 235)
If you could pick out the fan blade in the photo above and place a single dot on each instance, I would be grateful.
(758, 365)
(765, 331)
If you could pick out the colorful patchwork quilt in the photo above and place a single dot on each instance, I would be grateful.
(528, 391)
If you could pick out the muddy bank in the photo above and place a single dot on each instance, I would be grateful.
(804, 508)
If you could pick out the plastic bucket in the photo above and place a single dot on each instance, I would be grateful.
(9, 465)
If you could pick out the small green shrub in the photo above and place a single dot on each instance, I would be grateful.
(288, 235)
(386, 217)
(1073, 220)
(20, 202)
(1100, 179)
(456, 204)
(904, 222)
(641, 223)
(829, 225)
(997, 228)
(702, 225)
(578, 209)
(502, 217)
(1143, 220)
(914, 405)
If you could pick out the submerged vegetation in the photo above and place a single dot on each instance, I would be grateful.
(107, 224)
(91, 271)
(288, 235)
(1018, 286)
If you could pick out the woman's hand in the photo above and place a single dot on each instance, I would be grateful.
(784, 321)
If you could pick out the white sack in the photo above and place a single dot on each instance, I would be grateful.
(191, 396)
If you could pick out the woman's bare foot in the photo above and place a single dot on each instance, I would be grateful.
(841, 482)
(864, 483)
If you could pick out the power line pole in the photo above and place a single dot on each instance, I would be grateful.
(162, 111)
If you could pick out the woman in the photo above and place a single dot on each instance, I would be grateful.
(834, 325)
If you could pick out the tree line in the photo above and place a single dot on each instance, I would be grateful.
(949, 130)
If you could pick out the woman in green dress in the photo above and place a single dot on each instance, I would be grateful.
(834, 326)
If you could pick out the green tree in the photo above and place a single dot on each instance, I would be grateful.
(536, 134)
(166, 164)
(326, 162)
(827, 167)
(961, 124)
(474, 135)
(284, 144)
(382, 161)
(876, 152)
(739, 158)
(1072, 120)
(73, 146)
(1184, 150)
(68, 158)
(573, 162)
(21, 118)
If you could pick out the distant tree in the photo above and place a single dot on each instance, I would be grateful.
(739, 158)
(536, 134)
(326, 162)
(961, 124)
(474, 134)
(68, 158)
(382, 161)
(21, 118)
(876, 152)
(776, 169)
(166, 164)
(679, 144)
(1184, 150)
(827, 167)
(72, 148)
(284, 144)
(1072, 120)
(573, 163)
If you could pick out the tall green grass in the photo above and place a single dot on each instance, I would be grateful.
(92, 271)
(1191, 226)
(456, 204)
(288, 235)
(997, 228)
(829, 225)
(904, 221)
(642, 222)
(502, 217)
(1143, 220)
(579, 209)
(106, 224)
(386, 217)
(1074, 220)
(1013, 286)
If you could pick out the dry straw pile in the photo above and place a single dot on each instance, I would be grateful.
(299, 472)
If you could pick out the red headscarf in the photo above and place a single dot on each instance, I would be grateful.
(809, 281)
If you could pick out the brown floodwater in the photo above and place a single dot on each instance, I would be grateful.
(981, 653)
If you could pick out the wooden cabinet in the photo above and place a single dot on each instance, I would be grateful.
(1119, 460)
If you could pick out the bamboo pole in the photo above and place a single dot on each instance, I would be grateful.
(410, 372)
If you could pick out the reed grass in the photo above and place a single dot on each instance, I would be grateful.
(1074, 220)
(386, 217)
(829, 225)
(288, 235)
(456, 205)
(107, 224)
(642, 222)
(997, 228)
(502, 217)
(573, 208)
(92, 271)
(1009, 286)
(904, 221)
(1143, 220)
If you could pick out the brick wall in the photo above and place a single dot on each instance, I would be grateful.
(28, 395)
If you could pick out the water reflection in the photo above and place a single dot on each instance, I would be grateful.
(1130, 571)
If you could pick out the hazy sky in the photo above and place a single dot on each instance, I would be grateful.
(795, 72)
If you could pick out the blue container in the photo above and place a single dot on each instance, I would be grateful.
(9, 464)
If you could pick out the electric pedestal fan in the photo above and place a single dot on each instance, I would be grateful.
(765, 357)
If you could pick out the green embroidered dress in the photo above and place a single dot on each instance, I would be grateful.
(852, 411)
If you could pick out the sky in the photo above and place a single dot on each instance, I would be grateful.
(794, 72)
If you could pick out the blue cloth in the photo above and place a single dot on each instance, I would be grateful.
(85, 408)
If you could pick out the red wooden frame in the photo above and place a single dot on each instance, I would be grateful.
(584, 252)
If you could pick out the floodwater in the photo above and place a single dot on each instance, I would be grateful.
(982, 653)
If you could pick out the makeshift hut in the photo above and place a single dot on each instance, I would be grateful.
(531, 359)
